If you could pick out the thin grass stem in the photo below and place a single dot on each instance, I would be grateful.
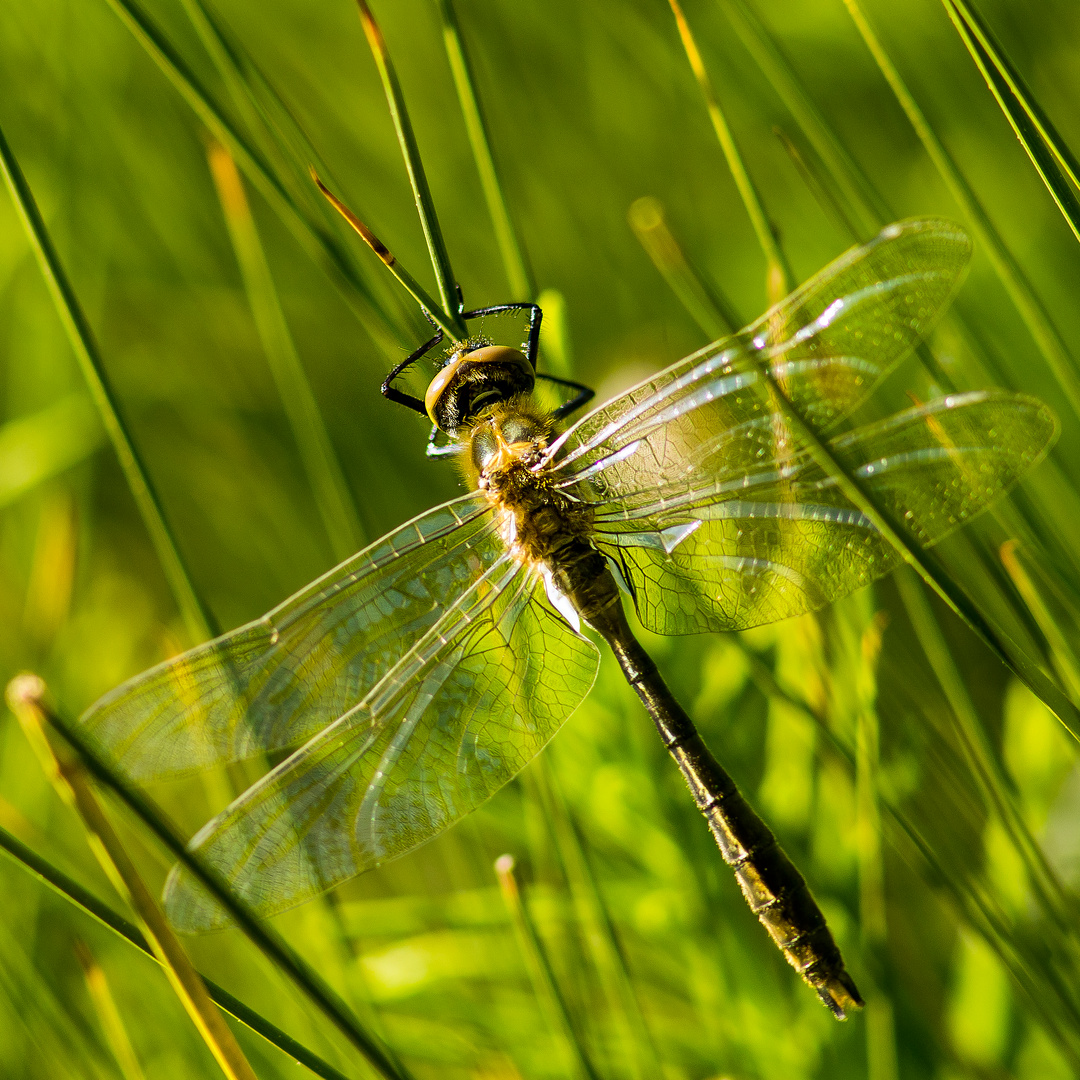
(109, 1016)
(823, 194)
(880, 1028)
(983, 761)
(543, 979)
(198, 620)
(390, 261)
(518, 274)
(779, 278)
(425, 205)
(1020, 291)
(270, 943)
(332, 496)
(599, 929)
(276, 128)
(90, 905)
(1061, 653)
(712, 312)
(1033, 128)
(320, 245)
(69, 778)
(865, 201)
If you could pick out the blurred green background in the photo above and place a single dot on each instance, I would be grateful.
(931, 800)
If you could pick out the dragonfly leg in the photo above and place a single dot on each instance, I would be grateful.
(391, 393)
(536, 314)
(567, 408)
(437, 449)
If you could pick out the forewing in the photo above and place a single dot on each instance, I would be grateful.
(827, 345)
(779, 538)
(462, 713)
(274, 683)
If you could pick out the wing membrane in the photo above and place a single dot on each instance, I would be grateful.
(276, 682)
(459, 715)
(730, 549)
(827, 345)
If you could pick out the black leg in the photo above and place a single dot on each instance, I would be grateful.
(397, 396)
(584, 394)
(535, 315)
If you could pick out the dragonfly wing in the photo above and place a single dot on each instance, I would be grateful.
(274, 683)
(457, 717)
(709, 553)
(827, 345)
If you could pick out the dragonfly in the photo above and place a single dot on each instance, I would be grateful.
(409, 684)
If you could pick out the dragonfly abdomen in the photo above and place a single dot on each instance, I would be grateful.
(774, 889)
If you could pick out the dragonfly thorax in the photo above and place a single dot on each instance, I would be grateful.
(506, 438)
(473, 380)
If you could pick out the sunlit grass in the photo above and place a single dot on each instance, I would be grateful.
(929, 797)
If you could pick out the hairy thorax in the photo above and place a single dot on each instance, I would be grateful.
(505, 457)
(543, 528)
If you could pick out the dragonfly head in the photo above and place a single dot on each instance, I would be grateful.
(473, 380)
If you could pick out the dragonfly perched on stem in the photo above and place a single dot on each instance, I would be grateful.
(411, 682)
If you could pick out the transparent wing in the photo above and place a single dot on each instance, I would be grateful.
(827, 345)
(274, 683)
(727, 549)
(459, 715)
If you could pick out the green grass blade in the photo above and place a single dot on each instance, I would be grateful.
(866, 203)
(1031, 309)
(109, 1016)
(260, 934)
(1032, 126)
(881, 1061)
(84, 900)
(518, 274)
(779, 278)
(390, 261)
(271, 123)
(320, 245)
(425, 205)
(712, 312)
(197, 619)
(543, 978)
(1062, 655)
(816, 184)
(331, 492)
(634, 1037)
(983, 760)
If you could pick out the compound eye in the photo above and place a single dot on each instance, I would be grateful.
(484, 447)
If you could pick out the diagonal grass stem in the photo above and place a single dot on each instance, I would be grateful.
(319, 244)
(519, 276)
(425, 205)
(1031, 309)
(1032, 126)
(331, 492)
(269, 942)
(197, 618)
(779, 277)
(89, 904)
